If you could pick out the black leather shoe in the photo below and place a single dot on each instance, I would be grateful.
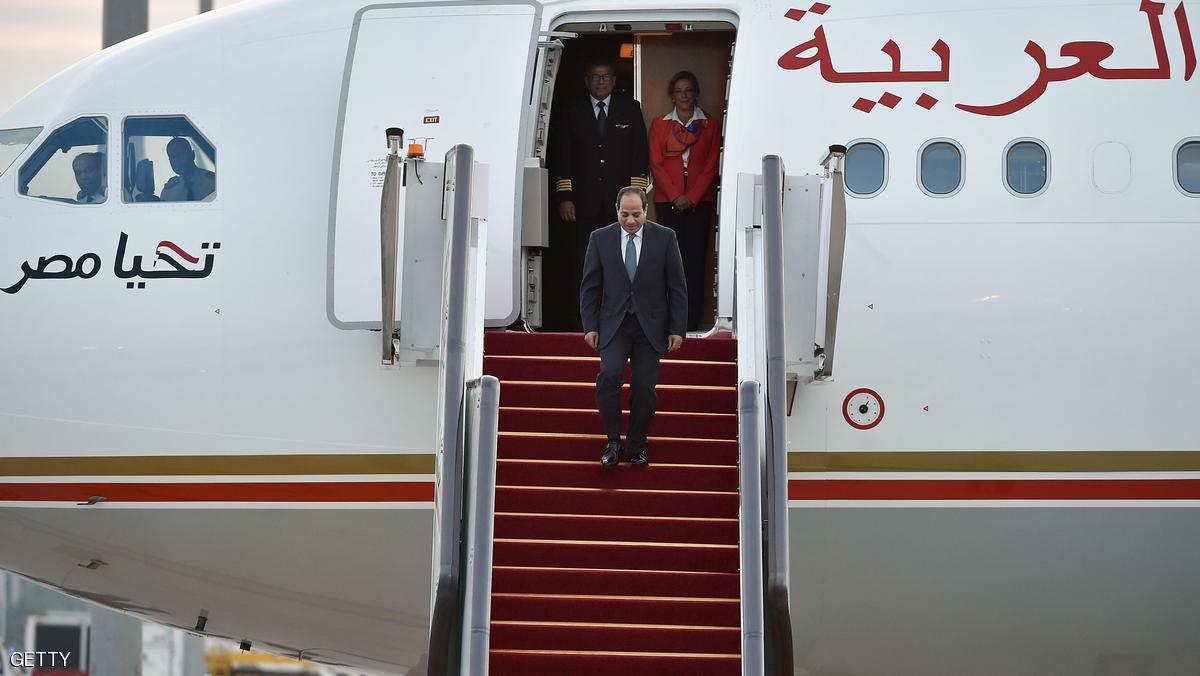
(612, 454)
(639, 459)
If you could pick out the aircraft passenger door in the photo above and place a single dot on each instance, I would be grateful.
(446, 75)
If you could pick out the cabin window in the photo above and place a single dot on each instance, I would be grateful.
(71, 165)
(13, 142)
(941, 166)
(1026, 167)
(167, 159)
(1187, 167)
(866, 168)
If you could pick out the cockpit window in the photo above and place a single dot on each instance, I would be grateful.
(167, 160)
(71, 165)
(13, 142)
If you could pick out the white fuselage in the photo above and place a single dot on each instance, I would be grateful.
(260, 467)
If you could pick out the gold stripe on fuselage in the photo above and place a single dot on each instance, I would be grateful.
(219, 465)
(994, 461)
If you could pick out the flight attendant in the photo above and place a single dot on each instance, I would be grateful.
(685, 147)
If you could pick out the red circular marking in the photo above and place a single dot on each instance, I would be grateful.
(846, 402)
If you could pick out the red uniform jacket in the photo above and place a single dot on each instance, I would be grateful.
(702, 162)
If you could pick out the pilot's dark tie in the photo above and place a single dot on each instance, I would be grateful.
(631, 258)
(601, 118)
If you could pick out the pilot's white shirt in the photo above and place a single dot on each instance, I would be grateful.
(203, 183)
(94, 198)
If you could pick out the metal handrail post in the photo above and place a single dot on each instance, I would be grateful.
(778, 611)
(445, 625)
(481, 463)
(750, 527)
(837, 256)
(389, 228)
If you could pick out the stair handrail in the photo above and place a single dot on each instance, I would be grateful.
(750, 527)
(445, 627)
(389, 229)
(777, 612)
(482, 432)
(832, 162)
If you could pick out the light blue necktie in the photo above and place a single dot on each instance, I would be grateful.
(630, 258)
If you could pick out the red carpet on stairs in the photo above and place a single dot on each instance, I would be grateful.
(630, 571)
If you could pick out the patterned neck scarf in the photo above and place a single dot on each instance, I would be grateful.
(682, 138)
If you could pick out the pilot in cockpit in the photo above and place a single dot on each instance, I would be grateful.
(89, 174)
(192, 183)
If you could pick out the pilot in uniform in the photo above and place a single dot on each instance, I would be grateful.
(599, 147)
(89, 175)
(192, 183)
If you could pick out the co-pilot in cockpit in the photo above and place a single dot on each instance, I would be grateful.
(89, 175)
(191, 182)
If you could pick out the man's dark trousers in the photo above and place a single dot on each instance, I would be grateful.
(629, 343)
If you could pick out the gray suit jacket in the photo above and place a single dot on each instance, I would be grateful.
(658, 292)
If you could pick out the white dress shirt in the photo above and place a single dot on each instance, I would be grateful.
(596, 108)
(93, 198)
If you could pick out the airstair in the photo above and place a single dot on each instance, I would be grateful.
(545, 563)
(631, 570)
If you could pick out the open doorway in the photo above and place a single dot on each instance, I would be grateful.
(643, 57)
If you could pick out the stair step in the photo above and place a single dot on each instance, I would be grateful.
(571, 345)
(604, 581)
(621, 502)
(585, 369)
(608, 528)
(557, 446)
(687, 398)
(589, 474)
(621, 609)
(545, 636)
(587, 421)
(585, 554)
(527, 663)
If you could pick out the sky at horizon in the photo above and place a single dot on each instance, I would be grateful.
(40, 38)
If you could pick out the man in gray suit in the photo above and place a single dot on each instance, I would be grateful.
(633, 303)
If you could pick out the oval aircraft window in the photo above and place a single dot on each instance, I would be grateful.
(1026, 167)
(866, 168)
(941, 168)
(13, 142)
(1187, 167)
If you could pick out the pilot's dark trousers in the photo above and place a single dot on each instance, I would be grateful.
(563, 269)
(629, 344)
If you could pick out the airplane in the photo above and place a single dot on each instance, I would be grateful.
(989, 210)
